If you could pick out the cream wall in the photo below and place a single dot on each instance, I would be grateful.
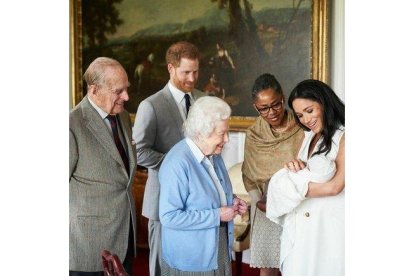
(338, 49)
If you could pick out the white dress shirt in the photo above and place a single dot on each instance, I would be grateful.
(178, 96)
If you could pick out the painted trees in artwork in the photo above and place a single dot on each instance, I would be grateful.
(99, 18)
(242, 27)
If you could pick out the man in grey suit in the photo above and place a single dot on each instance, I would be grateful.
(158, 127)
(102, 165)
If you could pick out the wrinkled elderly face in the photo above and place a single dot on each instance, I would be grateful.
(111, 95)
(214, 143)
(185, 76)
(310, 114)
(270, 105)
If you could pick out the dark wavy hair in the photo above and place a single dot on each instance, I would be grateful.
(333, 109)
(266, 81)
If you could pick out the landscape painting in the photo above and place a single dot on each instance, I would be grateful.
(238, 41)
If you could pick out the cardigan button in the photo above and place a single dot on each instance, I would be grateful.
(307, 214)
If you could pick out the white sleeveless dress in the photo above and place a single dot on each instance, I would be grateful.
(313, 237)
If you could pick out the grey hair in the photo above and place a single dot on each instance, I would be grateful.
(204, 115)
(94, 75)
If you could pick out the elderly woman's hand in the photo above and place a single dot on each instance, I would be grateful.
(227, 213)
(295, 165)
(240, 205)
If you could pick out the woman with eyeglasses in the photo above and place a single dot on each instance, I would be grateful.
(271, 141)
(307, 196)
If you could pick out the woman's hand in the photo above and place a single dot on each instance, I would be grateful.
(295, 165)
(227, 213)
(240, 205)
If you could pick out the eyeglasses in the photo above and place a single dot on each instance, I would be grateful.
(265, 110)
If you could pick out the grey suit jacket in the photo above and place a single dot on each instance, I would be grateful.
(157, 128)
(100, 199)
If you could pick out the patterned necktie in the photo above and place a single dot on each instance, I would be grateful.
(118, 143)
(187, 103)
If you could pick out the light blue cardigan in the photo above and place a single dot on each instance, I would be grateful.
(189, 210)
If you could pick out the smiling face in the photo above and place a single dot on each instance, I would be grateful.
(310, 114)
(272, 101)
(215, 142)
(113, 93)
(185, 76)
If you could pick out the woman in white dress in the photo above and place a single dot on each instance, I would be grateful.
(307, 196)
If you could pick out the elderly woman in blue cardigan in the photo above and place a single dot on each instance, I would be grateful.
(197, 205)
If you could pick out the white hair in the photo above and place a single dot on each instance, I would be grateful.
(204, 115)
(94, 74)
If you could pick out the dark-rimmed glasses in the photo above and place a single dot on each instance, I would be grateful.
(265, 110)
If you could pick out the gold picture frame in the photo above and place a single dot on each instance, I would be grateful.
(319, 57)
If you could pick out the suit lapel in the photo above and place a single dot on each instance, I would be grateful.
(173, 108)
(98, 128)
(130, 151)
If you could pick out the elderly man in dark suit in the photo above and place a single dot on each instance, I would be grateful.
(102, 164)
(158, 127)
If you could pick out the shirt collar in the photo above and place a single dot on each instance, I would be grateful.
(102, 113)
(198, 154)
(178, 95)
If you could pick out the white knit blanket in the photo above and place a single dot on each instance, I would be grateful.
(287, 189)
